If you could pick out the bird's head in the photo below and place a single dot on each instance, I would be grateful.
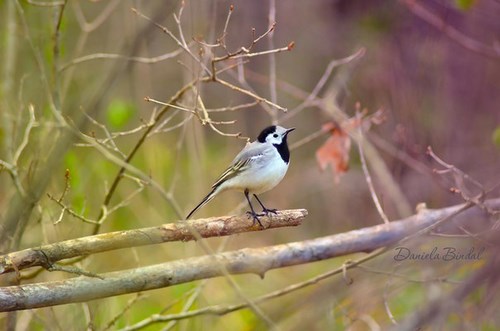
(274, 134)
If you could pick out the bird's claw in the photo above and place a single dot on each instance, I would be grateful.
(266, 212)
(255, 217)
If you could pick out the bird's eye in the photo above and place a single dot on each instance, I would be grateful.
(275, 135)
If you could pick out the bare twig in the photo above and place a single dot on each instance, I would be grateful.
(367, 172)
(12, 167)
(386, 302)
(460, 179)
(27, 131)
(322, 81)
(46, 3)
(138, 59)
(72, 270)
(109, 141)
(234, 108)
(12, 170)
(307, 139)
(273, 92)
(222, 39)
(129, 305)
(56, 90)
(251, 94)
(181, 42)
(408, 278)
(171, 105)
(69, 211)
(9, 64)
(139, 143)
(99, 20)
(245, 52)
(378, 165)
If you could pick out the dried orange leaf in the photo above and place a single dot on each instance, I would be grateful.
(335, 152)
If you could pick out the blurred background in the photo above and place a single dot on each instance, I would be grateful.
(432, 66)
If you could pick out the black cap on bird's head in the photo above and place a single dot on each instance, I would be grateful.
(276, 135)
(264, 133)
(271, 130)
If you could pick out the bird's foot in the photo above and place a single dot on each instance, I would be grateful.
(266, 212)
(255, 217)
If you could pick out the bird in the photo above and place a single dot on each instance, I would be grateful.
(258, 168)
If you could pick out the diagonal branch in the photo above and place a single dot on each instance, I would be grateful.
(248, 260)
(181, 231)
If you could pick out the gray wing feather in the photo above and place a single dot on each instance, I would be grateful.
(248, 154)
(254, 149)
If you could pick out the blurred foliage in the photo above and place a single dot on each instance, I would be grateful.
(119, 113)
(465, 4)
(496, 137)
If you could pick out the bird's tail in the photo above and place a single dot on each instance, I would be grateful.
(205, 200)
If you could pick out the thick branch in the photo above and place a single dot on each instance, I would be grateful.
(181, 231)
(249, 260)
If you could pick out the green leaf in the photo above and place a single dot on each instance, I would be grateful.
(496, 137)
(119, 113)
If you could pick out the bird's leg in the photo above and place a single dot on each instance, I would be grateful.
(265, 211)
(252, 214)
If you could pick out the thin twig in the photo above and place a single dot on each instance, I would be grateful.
(139, 143)
(46, 3)
(130, 303)
(171, 105)
(251, 94)
(103, 15)
(322, 81)
(234, 108)
(409, 278)
(367, 172)
(222, 39)
(109, 138)
(70, 211)
(272, 61)
(138, 59)
(460, 177)
(27, 131)
(73, 270)
(307, 139)
(181, 42)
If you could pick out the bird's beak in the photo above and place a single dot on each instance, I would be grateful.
(289, 130)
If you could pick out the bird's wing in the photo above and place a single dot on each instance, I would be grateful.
(249, 154)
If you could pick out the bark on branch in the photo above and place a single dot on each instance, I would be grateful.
(46, 255)
(249, 260)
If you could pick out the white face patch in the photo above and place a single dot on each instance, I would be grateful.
(276, 137)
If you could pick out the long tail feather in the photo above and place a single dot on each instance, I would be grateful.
(205, 200)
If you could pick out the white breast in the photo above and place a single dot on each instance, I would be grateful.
(266, 172)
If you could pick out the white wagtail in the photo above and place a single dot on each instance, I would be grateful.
(259, 167)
